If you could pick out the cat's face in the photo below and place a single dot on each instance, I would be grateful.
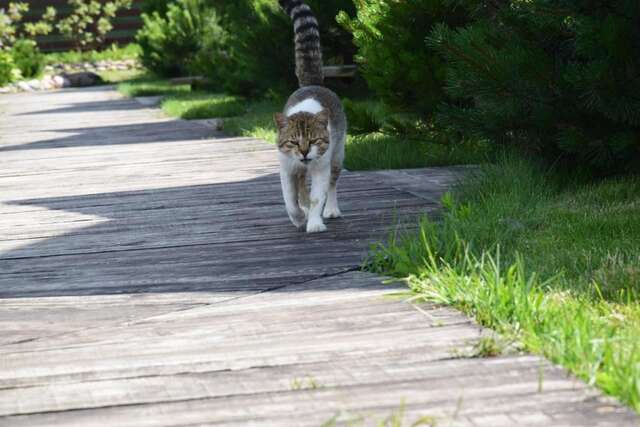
(303, 136)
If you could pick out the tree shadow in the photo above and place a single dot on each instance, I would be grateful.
(227, 237)
(107, 105)
(167, 131)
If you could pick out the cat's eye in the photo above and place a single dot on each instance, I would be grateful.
(318, 141)
(291, 142)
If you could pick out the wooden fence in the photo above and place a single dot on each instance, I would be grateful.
(125, 24)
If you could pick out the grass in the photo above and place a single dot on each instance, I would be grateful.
(151, 86)
(378, 150)
(118, 76)
(257, 122)
(377, 140)
(114, 52)
(195, 105)
(548, 262)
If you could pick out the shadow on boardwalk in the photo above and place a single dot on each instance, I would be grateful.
(220, 237)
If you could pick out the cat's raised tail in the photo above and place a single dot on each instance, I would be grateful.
(307, 42)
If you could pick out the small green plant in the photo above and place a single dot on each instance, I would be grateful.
(488, 346)
(8, 70)
(90, 21)
(27, 57)
(307, 382)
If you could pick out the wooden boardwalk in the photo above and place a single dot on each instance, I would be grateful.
(149, 277)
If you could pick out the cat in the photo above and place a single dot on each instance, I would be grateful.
(311, 131)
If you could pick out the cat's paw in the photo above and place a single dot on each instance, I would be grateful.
(331, 212)
(316, 227)
(298, 218)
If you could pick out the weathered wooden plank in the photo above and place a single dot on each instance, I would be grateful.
(150, 276)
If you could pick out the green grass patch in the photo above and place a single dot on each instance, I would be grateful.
(118, 76)
(383, 151)
(201, 105)
(151, 86)
(112, 53)
(257, 121)
(548, 262)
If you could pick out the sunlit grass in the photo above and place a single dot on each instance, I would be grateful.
(201, 105)
(548, 263)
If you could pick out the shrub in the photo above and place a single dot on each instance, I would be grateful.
(160, 6)
(8, 70)
(27, 58)
(175, 44)
(394, 58)
(559, 79)
(261, 43)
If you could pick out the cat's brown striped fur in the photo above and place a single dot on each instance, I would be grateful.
(311, 130)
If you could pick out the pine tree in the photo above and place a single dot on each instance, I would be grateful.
(560, 78)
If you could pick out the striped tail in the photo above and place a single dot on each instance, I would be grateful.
(307, 41)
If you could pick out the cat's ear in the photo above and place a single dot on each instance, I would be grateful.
(280, 120)
(323, 118)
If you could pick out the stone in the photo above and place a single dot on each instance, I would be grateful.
(47, 83)
(35, 84)
(60, 82)
(24, 86)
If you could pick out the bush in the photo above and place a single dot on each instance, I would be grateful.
(246, 46)
(27, 58)
(160, 6)
(559, 79)
(8, 70)
(394, 58)
(175, 44)
(260, 43)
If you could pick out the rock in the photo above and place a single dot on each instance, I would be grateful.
(60, 82)
(6, 89)
(84, 78)
(47, 83)
(24, 86)
(34, 84)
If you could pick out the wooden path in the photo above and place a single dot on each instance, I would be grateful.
(149, 277)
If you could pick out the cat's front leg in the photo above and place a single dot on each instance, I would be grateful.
(319, 187)
(288, 180)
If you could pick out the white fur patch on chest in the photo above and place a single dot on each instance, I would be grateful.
(309, 105)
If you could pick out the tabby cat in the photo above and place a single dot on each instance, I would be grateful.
(311, 131)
